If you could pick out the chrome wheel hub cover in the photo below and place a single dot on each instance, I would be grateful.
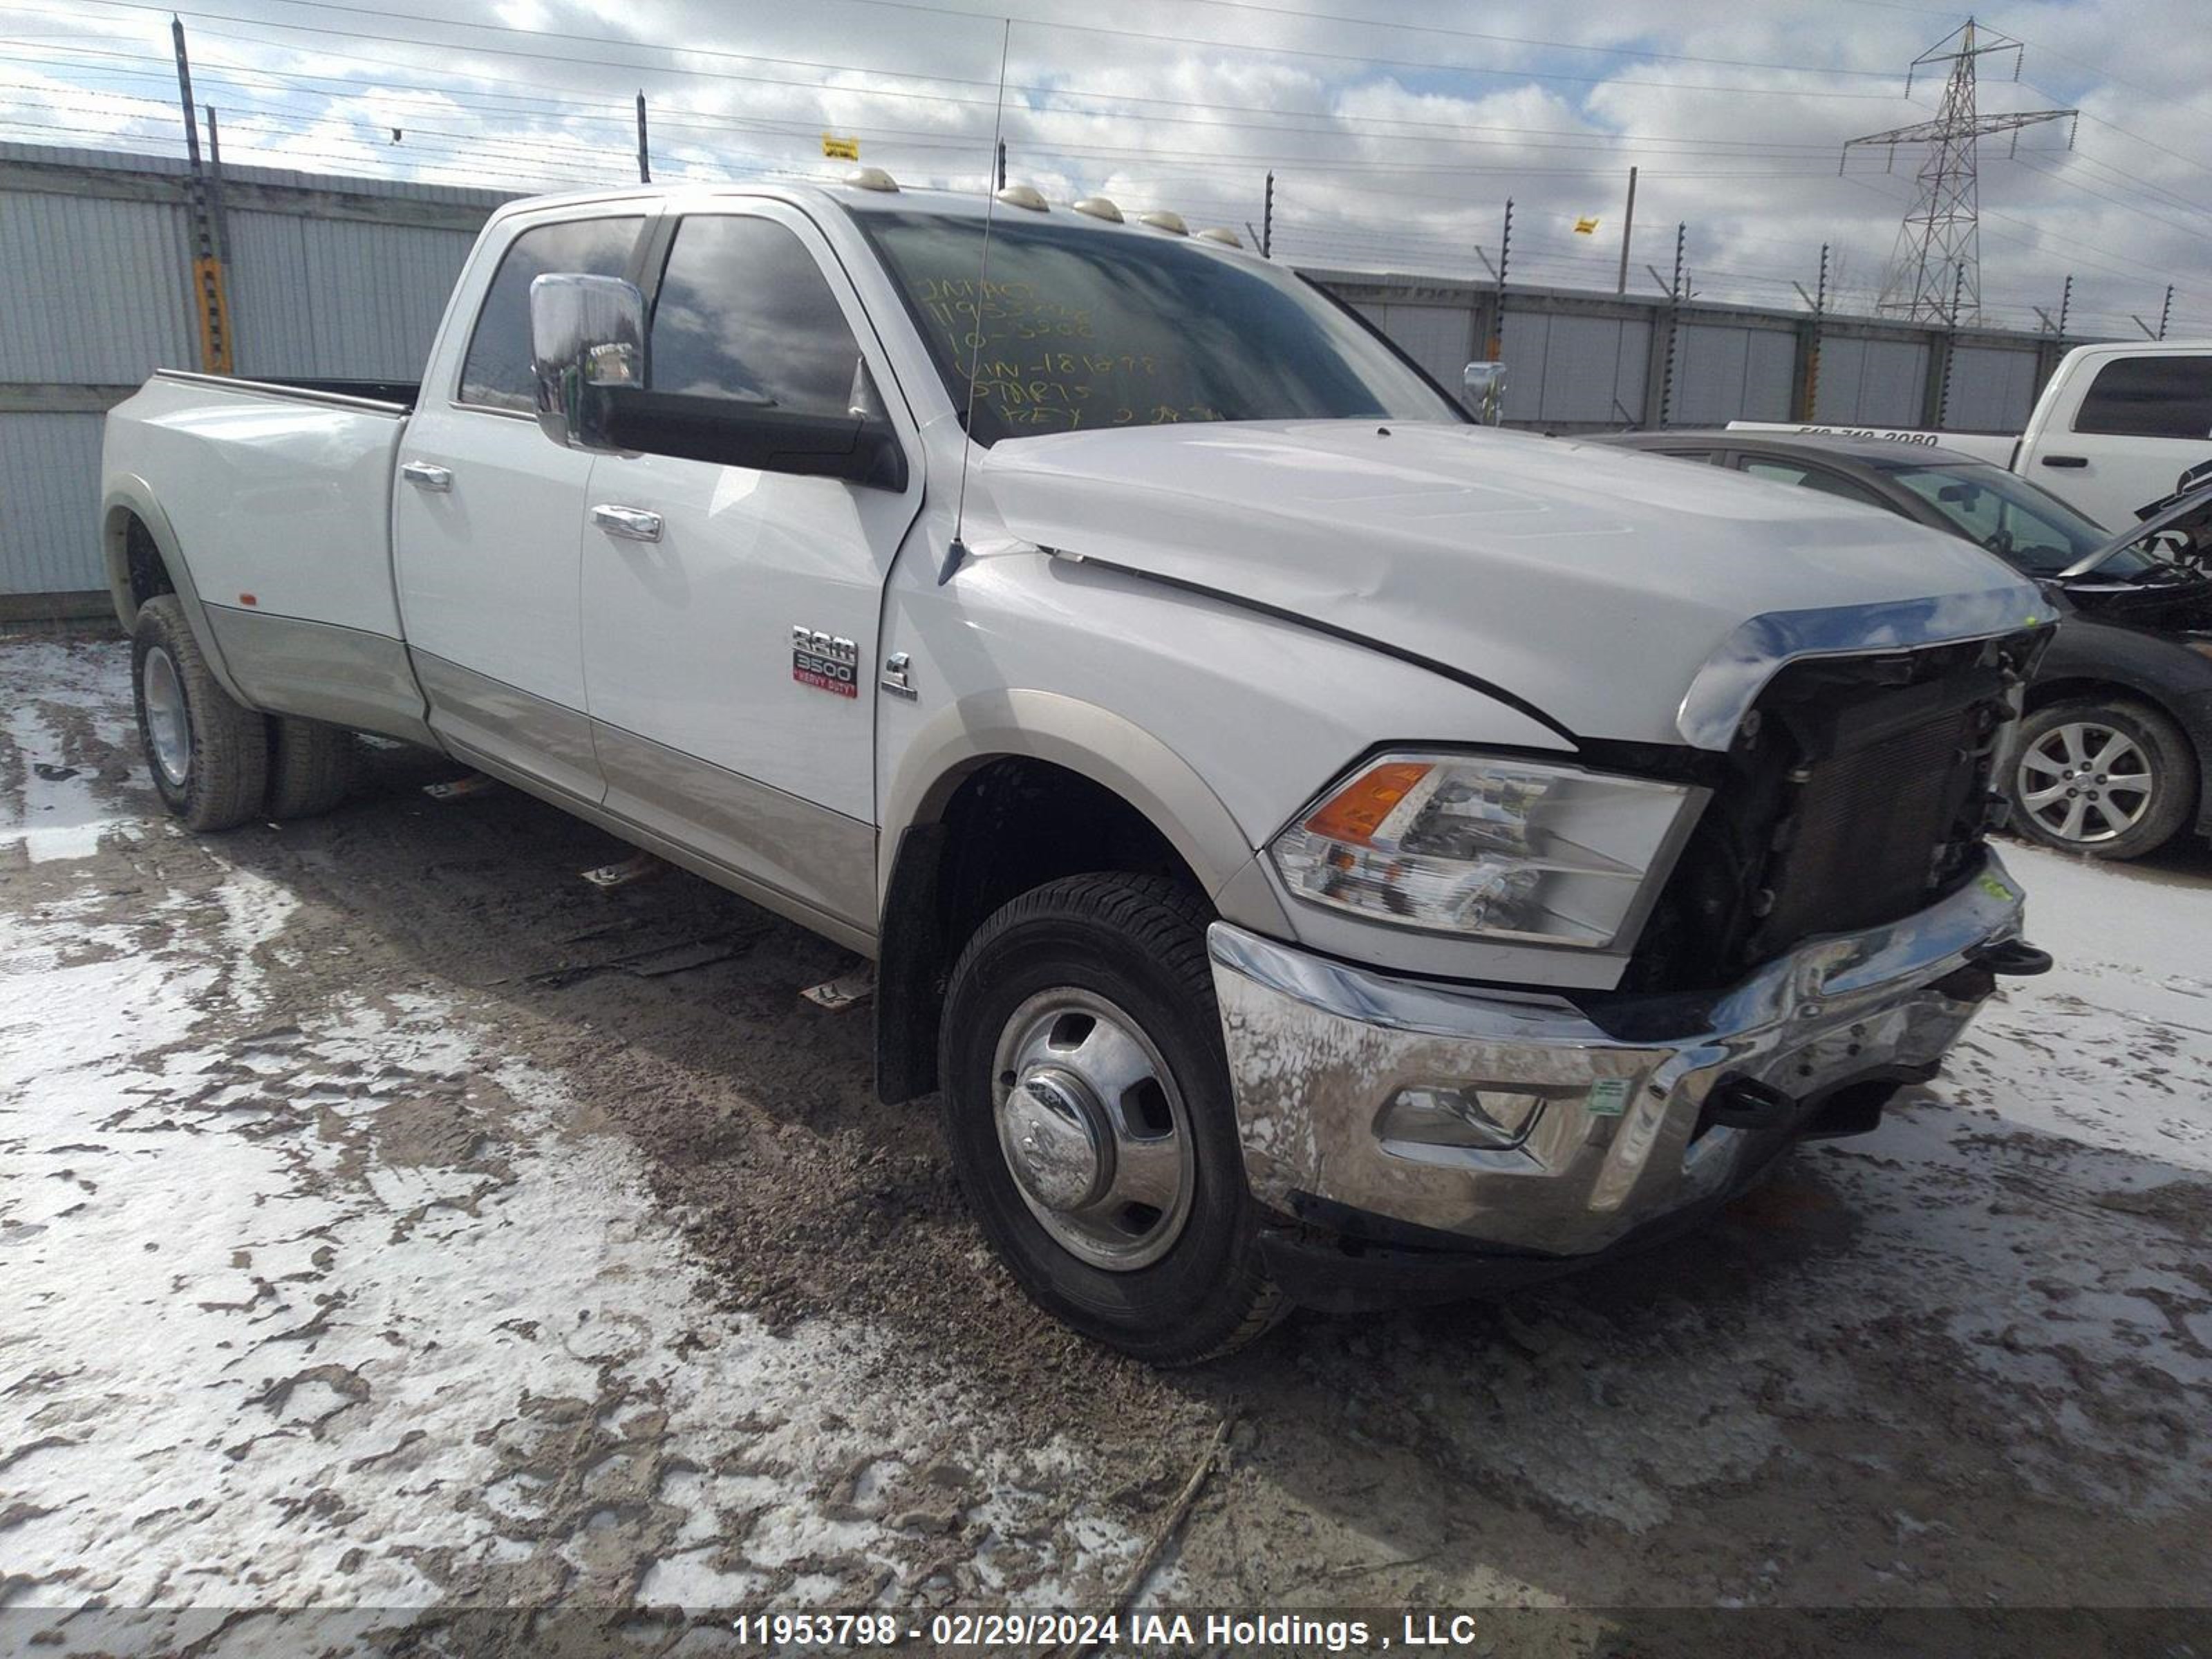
(1093, 1128)
(1053, 1131)
(2085, 782)
(169, 730)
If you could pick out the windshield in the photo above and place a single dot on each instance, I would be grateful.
(1085, 326)
(2021, 522)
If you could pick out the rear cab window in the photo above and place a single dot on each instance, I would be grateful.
(495, 373)
(2149, 397)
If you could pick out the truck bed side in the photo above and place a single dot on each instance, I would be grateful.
(270, 507)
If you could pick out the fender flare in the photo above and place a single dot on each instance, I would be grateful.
(128, 496)
(1093, 742)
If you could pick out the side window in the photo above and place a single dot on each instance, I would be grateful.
(745, 313)
(496, 372)
(2150, 398)
(1813, 478)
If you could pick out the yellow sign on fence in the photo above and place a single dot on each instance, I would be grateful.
(841, 149)
(213, 306)
(1585, 227)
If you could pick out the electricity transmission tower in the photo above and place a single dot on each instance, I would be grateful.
(1935, 274)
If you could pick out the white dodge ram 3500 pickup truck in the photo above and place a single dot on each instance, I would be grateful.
(2116, 430)
(1324, 850)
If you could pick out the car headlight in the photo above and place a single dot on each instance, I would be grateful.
(1501, 848)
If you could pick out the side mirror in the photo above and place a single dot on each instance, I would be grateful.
(587, 338)
(1485, 383)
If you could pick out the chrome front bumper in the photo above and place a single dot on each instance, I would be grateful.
(1317, 1049)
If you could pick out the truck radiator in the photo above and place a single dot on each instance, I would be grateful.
(1859, 793)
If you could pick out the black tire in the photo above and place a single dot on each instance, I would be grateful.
(311, 766)
(224, 746)
(2173, 773)
(1140, 943)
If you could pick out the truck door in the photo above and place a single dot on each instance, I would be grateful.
(729, 614)
(487, 519)
(2143, 420)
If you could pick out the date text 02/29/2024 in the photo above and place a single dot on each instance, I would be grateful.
(1145, 1630)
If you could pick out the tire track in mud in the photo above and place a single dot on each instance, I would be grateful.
(1960, 1360)
(335, 1293)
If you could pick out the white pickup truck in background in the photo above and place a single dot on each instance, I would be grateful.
(2118, 429)
(1322, 850)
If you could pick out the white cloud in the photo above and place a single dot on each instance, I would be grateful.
(1393, 145)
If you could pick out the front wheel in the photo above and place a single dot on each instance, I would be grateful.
(209, 754)
(1088, 1113)
(2105, 776)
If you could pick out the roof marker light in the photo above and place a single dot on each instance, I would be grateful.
(871, 179)
(1161, 219)
(1220, 233)
(1024, 195)
(1100, 207)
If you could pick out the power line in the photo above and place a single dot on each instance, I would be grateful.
(1523, 40)
(1430, 67)
(1520, 136)
(1320, 172)
(1235, 159)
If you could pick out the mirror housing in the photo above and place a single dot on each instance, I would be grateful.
(1485, 386)
(587, 337)
(590, 368)
(722, 432)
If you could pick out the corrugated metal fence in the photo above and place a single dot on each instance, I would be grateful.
(329, 278)
(1579, 361)
(334, 277)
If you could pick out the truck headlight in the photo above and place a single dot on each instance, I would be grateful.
(1500, 848)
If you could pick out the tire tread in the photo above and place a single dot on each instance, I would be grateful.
(311, 766)
(229, 776)
(1167, 921)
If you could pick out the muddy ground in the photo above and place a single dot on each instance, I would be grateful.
(391, 1221)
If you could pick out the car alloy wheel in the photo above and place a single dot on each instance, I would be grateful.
(2085, 783)
(1094, 1128)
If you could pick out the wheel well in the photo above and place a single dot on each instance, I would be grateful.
(1012, 824)
(143, 563)
(2041, 693)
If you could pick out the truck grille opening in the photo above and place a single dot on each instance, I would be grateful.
(1859, 791)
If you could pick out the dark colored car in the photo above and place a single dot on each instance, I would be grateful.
(2117, 741)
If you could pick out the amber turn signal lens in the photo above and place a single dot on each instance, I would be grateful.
(1357, 811)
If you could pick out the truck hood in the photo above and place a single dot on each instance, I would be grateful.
(1593, 583)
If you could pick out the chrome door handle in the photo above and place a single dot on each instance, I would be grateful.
(633, 523)
(423, 476)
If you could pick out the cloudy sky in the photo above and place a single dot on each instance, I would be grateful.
(1395, 129)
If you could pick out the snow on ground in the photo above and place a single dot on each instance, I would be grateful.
(331, 1282)
(342, 1304)
(2113, 1047)
(60, 816)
